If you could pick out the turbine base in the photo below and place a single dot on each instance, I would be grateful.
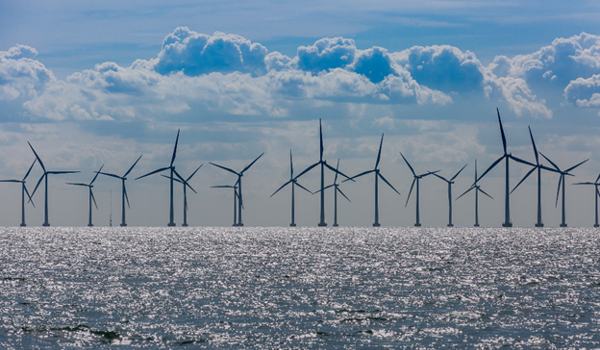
(292, 225)
(335, 225)
(418, 224)
(450, 225)
(376, 224)
(507, 224)
(322, 224)
(123, 225)
(90, 225)
(23, 224)
(171, 224)
(46, 224)
(595, 225)
(539, 224)
(184, 224)
(476, 225)
(563, 225)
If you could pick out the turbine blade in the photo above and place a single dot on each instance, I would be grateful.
(490, 168)
(179, 176)
(224, 168)
(575, 166)
(516, 159)
(321, 141)
(63, 172)
(535, 152)
(501, 131)
(410, 192)
(560, 180)
(482, 191)
(93, 198)
(28, 195)
(523, 179)
(324, 188)
(291, 166)
(461, 169)
(583, 183)
(38, 184)
(551, 162)
(379, 153)
(280, 188)
(94, 179)
(77, 184)
(112, 175)
(19, 181)
(126, 196)
(475, 170)
(302, 187)
(31, 167)
(37, 157)
(598, 178)
(194, 173)
(467, 191)
(168, 177)
(342, 193)
(249, 165)
(387, 182)
(336, 171)
(307, 170)
(130, 169)
(359, 175)
(152, 172)
(407, 163)
(222, 186)
(439, 176)
(430, 173)
(175, 149)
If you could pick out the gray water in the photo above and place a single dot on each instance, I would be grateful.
(299, 288)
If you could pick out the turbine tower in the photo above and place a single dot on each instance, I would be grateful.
(123, 190)
(562, 181)
(171, 167)
(416, 179)
(91, 193)
(506, 157)
(323, 164)
(477, 189)
(597, 194)
(539, 168)
(378, 175)
(294, 183)
(239, 185)
(450, 182)
(45, 176)
(336, 187)
(185, 185)
(23, 192)
(235, 198)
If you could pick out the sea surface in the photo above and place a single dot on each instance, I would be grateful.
(265, 288)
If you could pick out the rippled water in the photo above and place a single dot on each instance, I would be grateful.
(299, 288)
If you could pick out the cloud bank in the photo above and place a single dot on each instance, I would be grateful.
(224, 74)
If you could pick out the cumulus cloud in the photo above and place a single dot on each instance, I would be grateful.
(20, 74)
(325, 54)
(584, 92)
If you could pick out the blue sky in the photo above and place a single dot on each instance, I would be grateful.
(101, 83)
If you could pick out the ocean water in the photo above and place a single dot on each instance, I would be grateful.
(267, 288)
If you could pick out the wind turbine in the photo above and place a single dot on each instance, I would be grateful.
(91, 193)
(416, 179)
(294, 183)
(336, 187)
(239, 184)
(562, 181)
(539, 168)
(123, 189)
(23, 192)
(235, 198)
(323, 164)
(597, 194)
(45, 176)
(171, 167)
(450, 182)
(185, 185)
(477, 189)
(377, 176)
(506, 156)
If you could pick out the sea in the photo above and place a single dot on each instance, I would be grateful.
(299, 288)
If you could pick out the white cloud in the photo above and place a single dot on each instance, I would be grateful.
(20, 74)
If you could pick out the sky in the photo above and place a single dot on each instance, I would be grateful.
(101, 83)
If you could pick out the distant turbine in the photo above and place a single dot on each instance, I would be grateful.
(562, 181)
(172, 168)
(539, 168)
(239, 185)
(235, 198)
(477, 189)
(596, 195)
(123, 190)
(416, 179)
(506, 156)
(450, 182)
(45, 176)
(377, 176)
(91, 193)
(323, 164)
(23, 192)
(336, 187)
(185, 185)
(294, 182)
